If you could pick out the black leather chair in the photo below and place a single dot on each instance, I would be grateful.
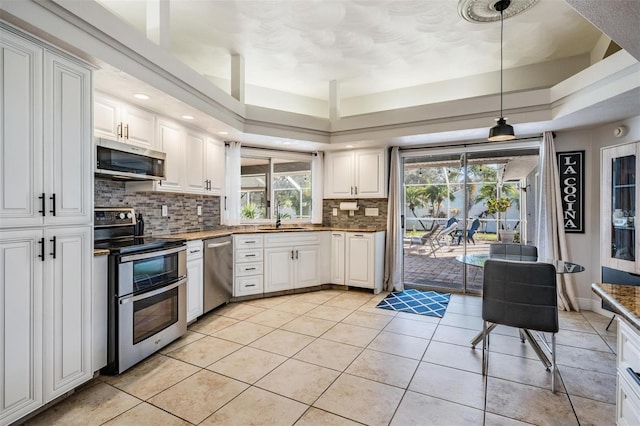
(512, 251)
(521, 295)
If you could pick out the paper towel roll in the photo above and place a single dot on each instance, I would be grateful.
(349, 206)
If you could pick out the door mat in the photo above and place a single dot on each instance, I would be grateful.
(431, 303)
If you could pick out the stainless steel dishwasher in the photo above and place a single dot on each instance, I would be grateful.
(218, 271)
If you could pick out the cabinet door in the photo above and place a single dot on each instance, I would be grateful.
(339, 179)
(337, 257)
(619, 249)
(359, 261)
(99, 315)
(138, 127)
(195, 275)
(370, 174)
(278, 269)
(215, 166)
(67, 310)
(171, 138)
(194, 170)
(20, 323)
(21, 141)
(307, 263)
(67, 142)
(106, 118)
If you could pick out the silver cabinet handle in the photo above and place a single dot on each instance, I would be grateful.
(214, 245)
(194, 251)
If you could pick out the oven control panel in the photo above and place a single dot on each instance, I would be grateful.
(113, 216)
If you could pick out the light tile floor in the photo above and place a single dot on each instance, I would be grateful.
(332, 358)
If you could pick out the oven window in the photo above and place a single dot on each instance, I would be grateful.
(152, 315)
(148, 273)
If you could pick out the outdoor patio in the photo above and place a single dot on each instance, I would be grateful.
(441, 269)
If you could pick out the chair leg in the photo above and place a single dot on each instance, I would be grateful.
(610, 321)
(485, 348)
(553, 363)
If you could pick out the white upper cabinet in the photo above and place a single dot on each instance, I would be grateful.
(67, 141)
(356, 174)
(195, 180)
(171, 139)
(46, 143)
(116, 120)
(215, 166)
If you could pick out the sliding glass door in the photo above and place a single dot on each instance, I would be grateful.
(457, 203)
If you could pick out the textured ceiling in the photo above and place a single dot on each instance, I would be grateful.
(369, 46)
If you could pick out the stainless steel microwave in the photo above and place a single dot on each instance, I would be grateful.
(119, 160)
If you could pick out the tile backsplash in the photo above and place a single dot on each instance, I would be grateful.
(182, 208)
(358, 220)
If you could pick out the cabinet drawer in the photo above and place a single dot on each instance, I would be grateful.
(244, 269)
(243, 256)
(249, 285)
(290, 239)
(627, 401)
(248, 241)
(194, 250)
(628, 347)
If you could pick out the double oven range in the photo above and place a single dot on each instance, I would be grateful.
(146, 288)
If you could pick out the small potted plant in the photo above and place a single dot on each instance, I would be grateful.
(500, 205)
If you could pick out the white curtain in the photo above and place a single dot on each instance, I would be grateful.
(317, 187)
(393, 259)
(230, 205)
(551, 240)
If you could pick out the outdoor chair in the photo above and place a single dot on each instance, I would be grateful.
(470, 232)
(425, 238)
(521, 295)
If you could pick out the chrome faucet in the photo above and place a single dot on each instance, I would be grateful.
(278, 221)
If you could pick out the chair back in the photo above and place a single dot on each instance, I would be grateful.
(512, 251)
(451, 221)
(520, 294)
(473, 228)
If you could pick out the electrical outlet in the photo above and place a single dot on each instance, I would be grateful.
(199, 210)
(165, 211)
(335, 211)
(371, 211)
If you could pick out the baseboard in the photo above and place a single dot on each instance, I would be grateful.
(594, 305)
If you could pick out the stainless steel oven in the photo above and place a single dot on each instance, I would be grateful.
(147, 280)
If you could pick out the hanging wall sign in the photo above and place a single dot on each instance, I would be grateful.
(571, 170)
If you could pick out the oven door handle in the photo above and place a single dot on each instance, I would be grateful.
(149, 255)
(153, 293)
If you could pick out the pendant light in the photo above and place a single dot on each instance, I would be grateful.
(501, 131)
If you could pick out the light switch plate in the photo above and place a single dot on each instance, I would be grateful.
(335, 211)
(199, 210)
(165, 211)
(371, 211)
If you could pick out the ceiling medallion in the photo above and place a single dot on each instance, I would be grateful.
(485, 10)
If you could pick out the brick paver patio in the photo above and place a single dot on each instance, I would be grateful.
(441, 270)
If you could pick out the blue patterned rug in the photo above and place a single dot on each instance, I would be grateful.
(419, 302)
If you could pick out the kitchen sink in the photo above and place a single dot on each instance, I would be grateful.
(284, 228)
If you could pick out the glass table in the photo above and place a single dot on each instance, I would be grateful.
(562, 267)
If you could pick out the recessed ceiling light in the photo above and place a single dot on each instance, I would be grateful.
(140, 96)
(349, 146)
(223, 133)
(286, 143)
(188, 117)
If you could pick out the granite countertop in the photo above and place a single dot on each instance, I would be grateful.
(625, 300)
(200, 235)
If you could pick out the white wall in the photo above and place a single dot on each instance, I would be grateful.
(585, 248)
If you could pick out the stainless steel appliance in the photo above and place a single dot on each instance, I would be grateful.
(218, 271)
(146, 289)
(124, 161)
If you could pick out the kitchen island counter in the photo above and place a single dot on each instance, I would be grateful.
(625, 300)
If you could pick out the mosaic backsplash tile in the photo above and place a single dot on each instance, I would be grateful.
(358, 220)
(182, 208)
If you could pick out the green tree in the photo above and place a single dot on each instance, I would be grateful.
(414, 197)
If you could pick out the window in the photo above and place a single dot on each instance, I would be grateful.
(273, 183)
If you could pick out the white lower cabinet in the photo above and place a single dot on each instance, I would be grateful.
(248, 270)
(628, 386)
(337, 257)
(195, 276)
(292, 260)
(46, 321)
(364, 261)
(99, 315)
